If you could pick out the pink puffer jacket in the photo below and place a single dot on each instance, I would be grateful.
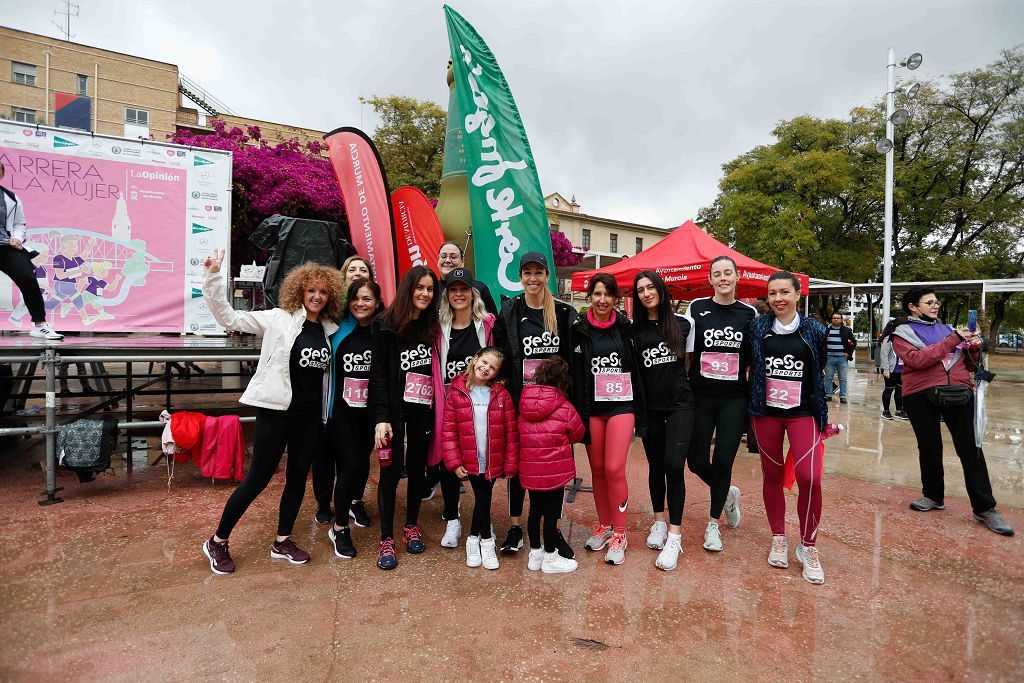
(458, 437)
(548, 426)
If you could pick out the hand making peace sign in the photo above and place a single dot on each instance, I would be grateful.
(212, 263)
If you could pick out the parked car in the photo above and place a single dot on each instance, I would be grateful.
(1012, 341)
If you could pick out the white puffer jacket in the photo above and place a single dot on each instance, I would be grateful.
(271, 386)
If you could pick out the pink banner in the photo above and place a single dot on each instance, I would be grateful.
(110, 241)
(360, 175)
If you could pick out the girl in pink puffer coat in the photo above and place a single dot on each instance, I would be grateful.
(548, 426)
(480, 442)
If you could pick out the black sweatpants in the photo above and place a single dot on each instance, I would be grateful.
(15, 264)
(275, 430)
(482, 490)
(666, 444)
(546, 505)
(725, 419)
(893, 384)
(924, 417)
(416, 425)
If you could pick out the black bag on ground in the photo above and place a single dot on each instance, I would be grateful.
(294, 241)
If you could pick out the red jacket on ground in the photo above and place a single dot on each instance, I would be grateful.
(458, 437)
(548, 426)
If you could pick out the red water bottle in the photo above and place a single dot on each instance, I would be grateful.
(384, 453)
(831, 430)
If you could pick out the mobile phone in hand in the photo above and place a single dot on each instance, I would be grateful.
(972, 320)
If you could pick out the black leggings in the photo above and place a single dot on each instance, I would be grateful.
(275, 430)
(666, 444)
(516, 497)
(546, 505)
(924, 417)
(15, 264)
(893, 383)
(482, 489)
(416, 424)
(725, 419)
(352, 437)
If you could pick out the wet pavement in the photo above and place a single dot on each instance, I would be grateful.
(112, 584)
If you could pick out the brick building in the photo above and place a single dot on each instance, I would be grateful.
(55, 82)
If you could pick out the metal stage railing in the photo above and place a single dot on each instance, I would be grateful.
(51, 360)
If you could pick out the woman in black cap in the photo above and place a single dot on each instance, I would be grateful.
(531, 327)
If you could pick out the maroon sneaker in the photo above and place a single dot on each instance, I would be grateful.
(287, 550)
(220, 559)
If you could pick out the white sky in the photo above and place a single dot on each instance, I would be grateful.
(633, 107)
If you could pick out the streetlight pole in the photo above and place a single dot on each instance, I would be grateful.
(890, 103)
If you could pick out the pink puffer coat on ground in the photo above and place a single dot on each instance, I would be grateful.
(458, 437)
(548, 426)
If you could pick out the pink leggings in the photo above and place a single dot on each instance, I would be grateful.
(806, 452)
(609, 445)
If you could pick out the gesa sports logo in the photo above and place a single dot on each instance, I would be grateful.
(318, 359)
(658, 355)
(413, 358)
(787, 366)
(606, 364)
(542, 344)
(455, 368)
(357, 362)
(726, 337)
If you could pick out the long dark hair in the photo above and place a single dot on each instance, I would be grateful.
(400, 313)
(670, 331)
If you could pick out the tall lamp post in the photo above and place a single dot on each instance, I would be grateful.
(893, 117)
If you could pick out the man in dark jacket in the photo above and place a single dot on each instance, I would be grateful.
(840, 351)
(450, 257)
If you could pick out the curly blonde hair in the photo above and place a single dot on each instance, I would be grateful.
(299, 279)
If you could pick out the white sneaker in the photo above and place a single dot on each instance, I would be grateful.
(535, 560)
(44, 331)
(668, 557)
(473, 558)
(807, 555)
(713, 538)
(488, 553)
(556, 564)
(778, 556)
(732, 507)
(451, 534)
(659, 534)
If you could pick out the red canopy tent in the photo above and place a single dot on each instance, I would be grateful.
(682, 259)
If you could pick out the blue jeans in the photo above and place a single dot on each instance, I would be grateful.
(836, 365)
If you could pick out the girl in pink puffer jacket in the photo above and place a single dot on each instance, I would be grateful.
(548, 426)
(480, 442)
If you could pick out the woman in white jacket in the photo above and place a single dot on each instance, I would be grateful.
(288, 389)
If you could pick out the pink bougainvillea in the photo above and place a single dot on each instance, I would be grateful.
(562, 250)
(287, 178)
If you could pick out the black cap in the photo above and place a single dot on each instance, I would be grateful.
(533, 257)
(462, 275)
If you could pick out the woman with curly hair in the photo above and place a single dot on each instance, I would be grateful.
(288, 390)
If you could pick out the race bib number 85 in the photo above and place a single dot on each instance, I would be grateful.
(613, 386)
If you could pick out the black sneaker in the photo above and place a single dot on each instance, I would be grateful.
(901, 415)
(342, 540)
(513, 541)
(324, 516)
(431, 489)
(842, 399)
(564, 549)
(386, 558)
(359, 515)
(828, 398)
(220, 559)
(886, 415)
(414, 544)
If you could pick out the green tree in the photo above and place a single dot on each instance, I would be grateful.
(813, 200)
(410, 139)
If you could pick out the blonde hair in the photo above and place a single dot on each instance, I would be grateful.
(300, 278)
(494, 351)
(550, 320)
(446, 315)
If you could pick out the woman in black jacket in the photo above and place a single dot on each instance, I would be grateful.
(531, 328)
(402, 396)
(608, 394)
(659, 336)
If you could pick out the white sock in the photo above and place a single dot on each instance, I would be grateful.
(675, 536)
